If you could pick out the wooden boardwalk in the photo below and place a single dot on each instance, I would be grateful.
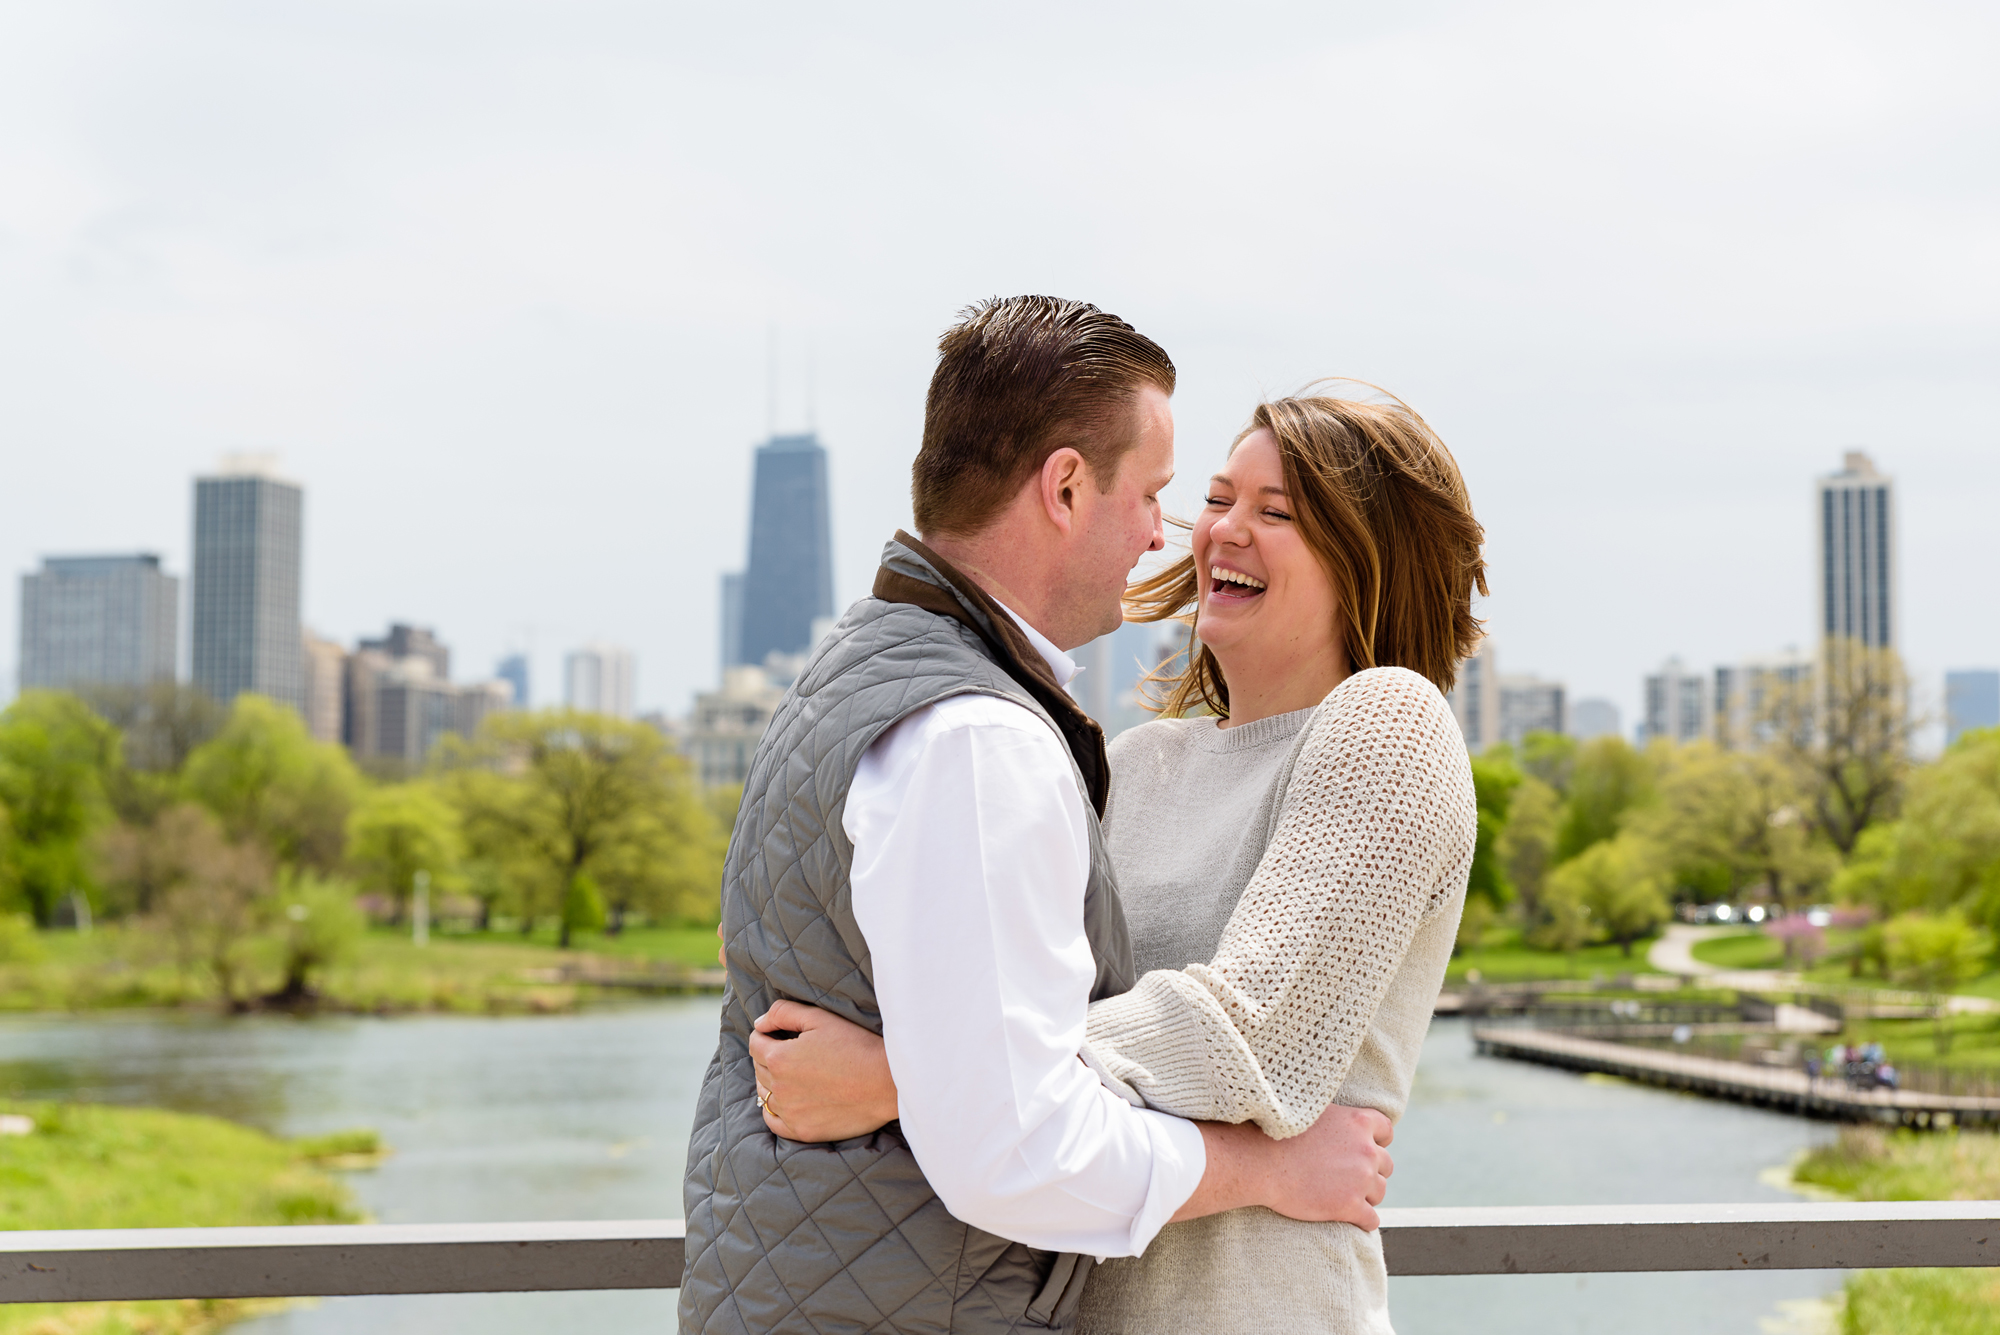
(1765, 1086)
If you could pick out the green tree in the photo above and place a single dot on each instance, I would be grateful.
(504, 867)
(1564, 921)
(398, 830)
(1549, 757)
(162, 722)
(138, 864)
(159, 724)
(1945, 851)
(1494, 779)
(572, 793)
(723, 801)
(1609, 779)
(1729, 821)
(268, 781)
(1619, 882)
(318, 925)
(54, 754)
(1847, 737)
(1527, 846)
(582, 906)
(213, 914)
(666, 865)
(1935, 954)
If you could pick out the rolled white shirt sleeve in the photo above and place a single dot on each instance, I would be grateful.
(971, 854)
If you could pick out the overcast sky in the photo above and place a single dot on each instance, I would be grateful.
(495, 279)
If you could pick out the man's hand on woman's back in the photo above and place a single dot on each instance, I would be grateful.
(1337, 1170)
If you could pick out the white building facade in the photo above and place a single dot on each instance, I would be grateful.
(599, 679)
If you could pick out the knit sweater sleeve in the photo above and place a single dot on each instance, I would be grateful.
(1375, 834)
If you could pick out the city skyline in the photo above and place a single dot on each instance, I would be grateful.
(248, 523)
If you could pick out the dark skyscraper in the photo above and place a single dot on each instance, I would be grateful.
(1857, 555)
(247, 545)
(789, 582)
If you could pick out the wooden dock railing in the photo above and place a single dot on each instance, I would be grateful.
(1764, 1086)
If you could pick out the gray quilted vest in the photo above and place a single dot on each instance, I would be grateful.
(789, 1237)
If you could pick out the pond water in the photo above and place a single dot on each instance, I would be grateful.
(586, 1117)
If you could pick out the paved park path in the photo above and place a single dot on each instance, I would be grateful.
(1674, 953)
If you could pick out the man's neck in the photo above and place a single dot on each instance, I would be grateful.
(986, 565)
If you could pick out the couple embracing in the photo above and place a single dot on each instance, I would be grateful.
(1021, 1034)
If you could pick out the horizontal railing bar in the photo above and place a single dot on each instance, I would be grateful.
(1577, 1239)
(333, 1260)
(95, 1265)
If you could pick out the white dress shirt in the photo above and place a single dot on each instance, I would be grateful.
(971, 852)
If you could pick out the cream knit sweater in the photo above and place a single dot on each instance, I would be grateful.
(1317, 863)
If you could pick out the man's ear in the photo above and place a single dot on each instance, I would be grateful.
(1062, 479)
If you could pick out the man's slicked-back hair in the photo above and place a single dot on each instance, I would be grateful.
(1017, 379)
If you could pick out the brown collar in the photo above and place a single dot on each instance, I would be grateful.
(964, 601)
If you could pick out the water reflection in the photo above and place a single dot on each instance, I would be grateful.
(586, 1117)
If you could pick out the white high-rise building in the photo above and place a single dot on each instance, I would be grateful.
(1531, 704)
(326, 689)
(1475, 698)
(1858, 567)
(598, 679)
(1676, 705)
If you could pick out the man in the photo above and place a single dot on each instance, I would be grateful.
(918, 852)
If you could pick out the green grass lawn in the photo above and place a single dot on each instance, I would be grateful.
(1741, 950)
(691, 946)
(1869, 1164)
(1503, 958)
(486, 972)
(87, 1166)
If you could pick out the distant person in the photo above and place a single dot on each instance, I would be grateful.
(919, 852)
(1302, 819)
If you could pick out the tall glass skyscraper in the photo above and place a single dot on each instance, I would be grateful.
(789, 581)
(98, 621)
(1856, 597)
(247, 558)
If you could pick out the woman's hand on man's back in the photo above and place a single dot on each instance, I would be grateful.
(827, 1080)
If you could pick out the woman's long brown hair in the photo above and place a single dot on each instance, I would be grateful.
(1378, 498)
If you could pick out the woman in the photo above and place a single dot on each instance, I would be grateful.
(1309, 835)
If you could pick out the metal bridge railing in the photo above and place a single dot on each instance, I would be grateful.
(327, 1261)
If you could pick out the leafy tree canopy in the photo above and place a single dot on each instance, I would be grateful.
(558, 794)
(269, 781)
(54, 755)
(398, 830)
(1494, 779)
(1609, 779)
